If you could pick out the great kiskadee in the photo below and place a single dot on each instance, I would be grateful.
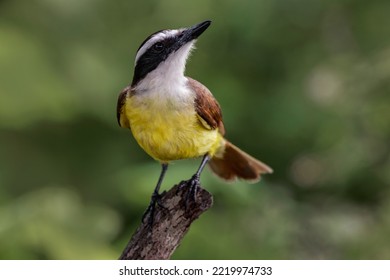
(175, 117)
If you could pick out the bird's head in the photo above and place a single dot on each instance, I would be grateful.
(163, 54)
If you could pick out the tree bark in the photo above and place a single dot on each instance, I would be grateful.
(170, 224)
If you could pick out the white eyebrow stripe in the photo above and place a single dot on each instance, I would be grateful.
(155, 38)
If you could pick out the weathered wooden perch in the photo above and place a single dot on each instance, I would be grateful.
(169, 226)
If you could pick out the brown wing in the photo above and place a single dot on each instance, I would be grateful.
(207, 107)
(122, 121)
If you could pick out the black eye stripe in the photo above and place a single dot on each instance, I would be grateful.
(156, 53)
(159, 46)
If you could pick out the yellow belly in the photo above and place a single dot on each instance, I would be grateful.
(168, 132)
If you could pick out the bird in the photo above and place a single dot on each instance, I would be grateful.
(174, 117)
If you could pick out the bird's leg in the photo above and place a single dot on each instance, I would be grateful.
(156, 197)
(194, 182)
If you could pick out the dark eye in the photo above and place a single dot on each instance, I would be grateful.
(158, 47)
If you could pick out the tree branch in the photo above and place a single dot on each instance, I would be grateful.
(170, 224)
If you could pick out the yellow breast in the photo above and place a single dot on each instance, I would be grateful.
(169, 131)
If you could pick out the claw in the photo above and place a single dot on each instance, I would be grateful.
(193, 184)
(155, 201)
(156, 198)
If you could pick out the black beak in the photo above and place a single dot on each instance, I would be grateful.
(194, 32)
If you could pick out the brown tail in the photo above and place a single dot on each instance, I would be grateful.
(235, 163)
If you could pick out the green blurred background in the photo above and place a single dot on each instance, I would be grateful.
(304, 86)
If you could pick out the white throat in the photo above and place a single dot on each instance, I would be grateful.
(169, 75)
